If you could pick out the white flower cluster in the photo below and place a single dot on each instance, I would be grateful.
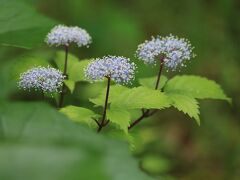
(63, 35)
(174, 50)
(48, 79)
(119, 69)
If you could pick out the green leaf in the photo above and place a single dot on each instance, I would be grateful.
(70, 84)
(35, 137)
(119, 117)
(75, 68)
(135, 98)
(79, 114)
(151, 81)
(114, 91)
(141, 97)
(21, 25)
(25, 63)
(197, 87)
(186, 104)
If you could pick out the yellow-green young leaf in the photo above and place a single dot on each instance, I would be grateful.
(115, 90)
(79, 114)
(70, 84)
(119, 117)
(197, 87)
(141, 97)
(151, 81)
(186, 104)
(75, 68)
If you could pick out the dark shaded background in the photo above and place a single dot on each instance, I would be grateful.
(170, 145)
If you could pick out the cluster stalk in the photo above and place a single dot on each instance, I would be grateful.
(103, 122)
(148, 113)
(61, 100)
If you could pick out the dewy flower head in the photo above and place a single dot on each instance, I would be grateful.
(48, 79)
(174, 50)
(63, 35)
(119, 69)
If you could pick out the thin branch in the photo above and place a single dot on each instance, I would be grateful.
(102, 124)
(148, 113)
(153, 112)
(95, 120)
(138, 120)
(65, 74)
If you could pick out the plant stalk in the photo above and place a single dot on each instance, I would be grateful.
(65, 74)
(102, 124)
(147, 113)
(159, 72)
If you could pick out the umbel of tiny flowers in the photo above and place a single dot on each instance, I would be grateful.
(171, 51)
(45, 79)
(63, 36)
(174, 51)
(118, 69)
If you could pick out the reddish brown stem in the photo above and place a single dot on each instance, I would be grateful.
(103, 123)
(159, 72)
(65, 74)
(147, 113)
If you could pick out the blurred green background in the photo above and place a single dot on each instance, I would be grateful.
(171, 145)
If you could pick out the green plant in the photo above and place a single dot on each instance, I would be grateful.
(118, 100)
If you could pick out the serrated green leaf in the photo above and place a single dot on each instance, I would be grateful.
(141, 97)
(186, 104)
(151, 81)
(21, 25)
(70, 84)
(133, 98)
(197, 87)
(79, 114)
(75, 68)
(114, 91)
(119, 117)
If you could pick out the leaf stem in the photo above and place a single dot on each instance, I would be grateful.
(147, 113)
(95, 120)
(65, 74)
(102, 124)
(138, 120)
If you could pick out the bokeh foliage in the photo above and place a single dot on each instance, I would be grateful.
(170, 144)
